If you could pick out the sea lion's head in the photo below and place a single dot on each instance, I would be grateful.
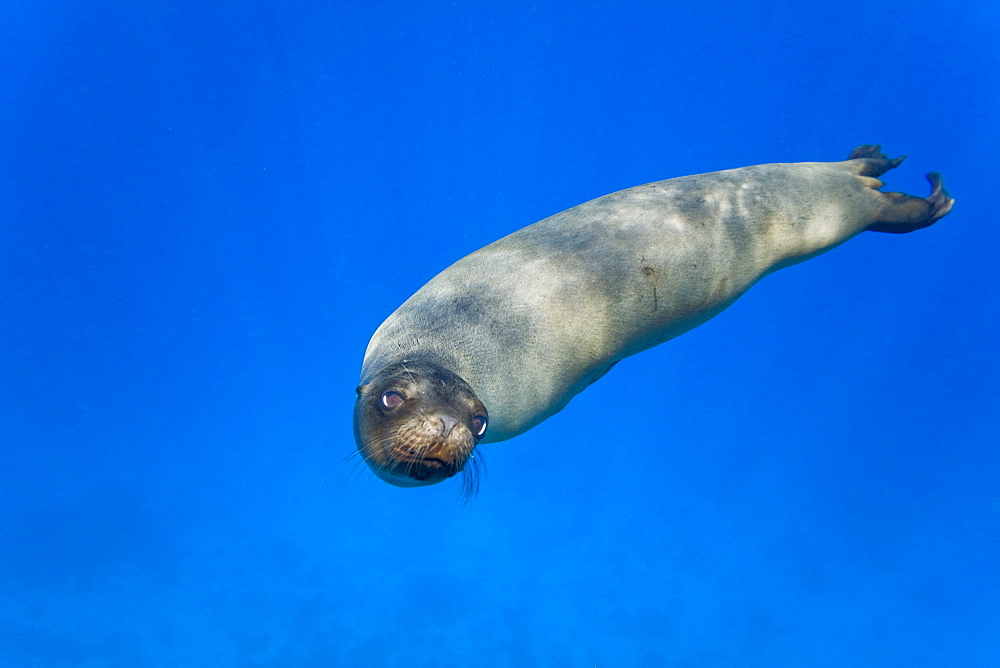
(417, 423)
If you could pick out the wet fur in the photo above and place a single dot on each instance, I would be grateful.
(529, 321)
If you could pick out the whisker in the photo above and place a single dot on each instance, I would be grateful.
(408, 372)
(472, 474)
(354, 475)
(352, 455)
(357, 474)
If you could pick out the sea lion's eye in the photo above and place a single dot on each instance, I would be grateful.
(391, 399)
(479, 425)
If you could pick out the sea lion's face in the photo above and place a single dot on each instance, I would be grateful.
(417, 423)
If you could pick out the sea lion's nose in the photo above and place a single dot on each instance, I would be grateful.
(447, 424)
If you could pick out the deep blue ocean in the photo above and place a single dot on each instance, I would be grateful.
(207, 208)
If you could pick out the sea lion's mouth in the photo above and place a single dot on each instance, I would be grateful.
(427, 470)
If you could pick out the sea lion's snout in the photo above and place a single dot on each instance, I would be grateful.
(429, 450)
(420, 451)
(408, 449)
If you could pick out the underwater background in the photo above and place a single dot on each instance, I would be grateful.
(206, 209)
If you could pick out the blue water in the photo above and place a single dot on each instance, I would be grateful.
(207, 209)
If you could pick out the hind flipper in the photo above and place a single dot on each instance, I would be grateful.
(871, 161)
(905, 213)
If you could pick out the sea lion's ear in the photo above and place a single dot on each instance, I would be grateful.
(359, 389)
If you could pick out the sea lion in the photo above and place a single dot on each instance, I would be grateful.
(506, 336)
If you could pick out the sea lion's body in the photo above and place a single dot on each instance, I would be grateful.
(532, 319)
